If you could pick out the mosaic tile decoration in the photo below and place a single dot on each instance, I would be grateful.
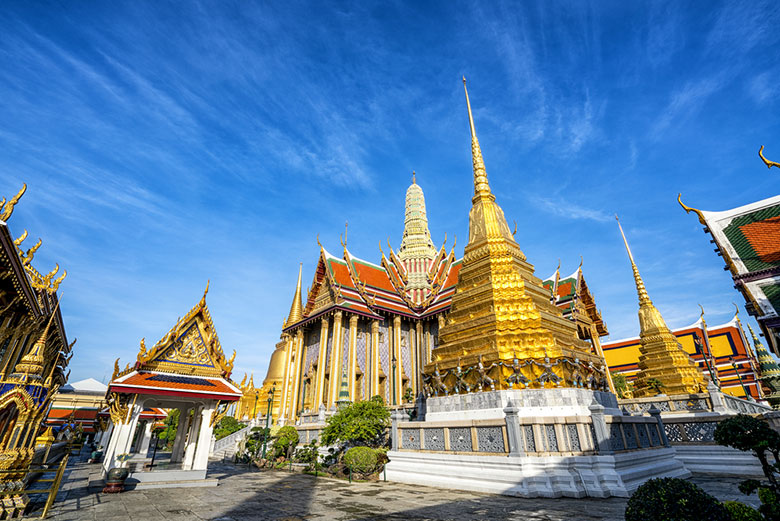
(434, 439)
(490, 439)
(460, 439)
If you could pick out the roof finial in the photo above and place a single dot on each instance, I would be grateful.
(296, 309)
(8, 208)
(414, 177)
(481, 186)
(640, 285)
(768, 163)
(688, 209)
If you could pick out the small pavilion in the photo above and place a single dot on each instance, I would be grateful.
(186, 370)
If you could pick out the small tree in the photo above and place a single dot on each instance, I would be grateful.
(226, 426)
(168, 433)
(620, 383)
(359, 423)
(672, 499)
(747, 433)
(285, 442)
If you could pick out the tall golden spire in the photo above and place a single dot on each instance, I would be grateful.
(481, 186)
(661, 357)
(644, 298)
(296, 309)
(500, 310)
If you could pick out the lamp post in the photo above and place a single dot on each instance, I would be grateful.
(394, 362)
(739, 376)
(268, 417)
(254, 409)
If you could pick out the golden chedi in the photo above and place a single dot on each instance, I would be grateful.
(663, 364)
(502, 317)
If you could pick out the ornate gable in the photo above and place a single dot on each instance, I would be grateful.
(190, 347)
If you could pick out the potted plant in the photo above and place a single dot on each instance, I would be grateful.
(115, 479)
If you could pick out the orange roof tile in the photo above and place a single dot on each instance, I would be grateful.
(152, 382)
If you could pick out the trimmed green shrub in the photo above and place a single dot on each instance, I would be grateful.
(227, 426)
(361, 459)
(359, 423)
(672, 499)
(285, 442)
(742, 512)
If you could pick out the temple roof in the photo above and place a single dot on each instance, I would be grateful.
(573, 297)
(352, 284)
(748, 237)
(168, 384)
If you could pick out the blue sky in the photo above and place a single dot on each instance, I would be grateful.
(166, 144)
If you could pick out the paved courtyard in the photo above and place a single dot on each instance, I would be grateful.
(245, 494)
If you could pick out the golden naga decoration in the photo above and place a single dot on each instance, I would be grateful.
(22, 237)
(117, 407)
(502, 325)
(768, 163)
(28, 256)
(6, 209)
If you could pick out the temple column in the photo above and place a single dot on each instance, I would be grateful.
(419, 348)
(594, 336)
(374, 381)
(203, 445)
(426, 343)
(106, 436)
(352, 355)
(398, 362)
(335, 360)
(297, 369)
(289, 356)
(122, 437)
(181, 434)
(146, 438)
(319, 397)
(192, 438)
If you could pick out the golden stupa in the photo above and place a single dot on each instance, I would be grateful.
(502, 316)
(662, 358)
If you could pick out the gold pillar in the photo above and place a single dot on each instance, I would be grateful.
(419, 346)
(335, 360)
(399, 363)
(297, 369)
(352, 355)
(321, 362)
(374, 389)
(427, 343)
(289, 356)
(594, 336)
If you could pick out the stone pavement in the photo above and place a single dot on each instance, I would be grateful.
(245, 494)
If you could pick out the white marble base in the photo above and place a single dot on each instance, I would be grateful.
(530, 402)
(551, 476)
(719, 460)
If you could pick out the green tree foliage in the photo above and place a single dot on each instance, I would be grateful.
(226, 426)
(285, 442)
(309, 454)
(362, 460)
(359, 423)
(621, 384)
(742, 512)
(747, 433)
(168, 433)
(672, 499)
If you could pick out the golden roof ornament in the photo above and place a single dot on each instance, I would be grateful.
(296, 308)
(768, 163)
(7, 208)
(21, 238)
(32, 363)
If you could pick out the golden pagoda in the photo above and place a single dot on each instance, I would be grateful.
(663, 364)
(501, 311)
(770, 371)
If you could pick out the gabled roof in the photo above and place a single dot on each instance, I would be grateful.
(573, 297)
(89, 385)
(362, 287)
(190, 347)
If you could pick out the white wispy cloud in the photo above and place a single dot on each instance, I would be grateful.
(686, 102)
(566, 209)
